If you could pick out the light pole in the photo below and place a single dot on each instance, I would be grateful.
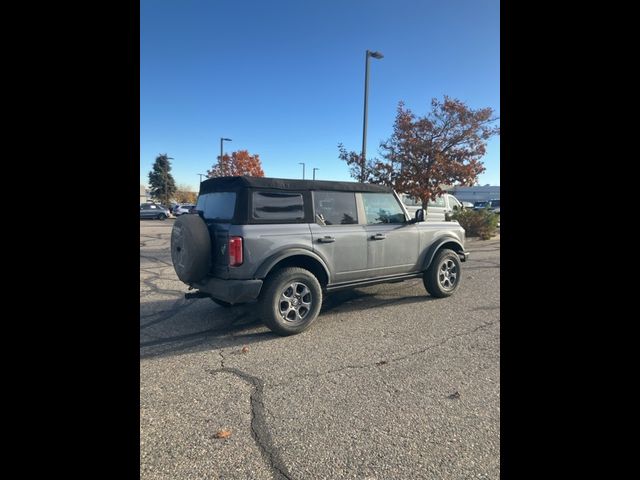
(376, 55)
(201, 175)
(314, 172)
(222, 140)
(300, 163)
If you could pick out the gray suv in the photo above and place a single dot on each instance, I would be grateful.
(286, 243)
(151, 210)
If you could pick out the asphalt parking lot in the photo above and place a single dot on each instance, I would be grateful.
(389, 383)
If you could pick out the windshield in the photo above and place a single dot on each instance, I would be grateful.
(217, 205)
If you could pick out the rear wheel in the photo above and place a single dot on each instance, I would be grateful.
(162, 216)
(442, 278)
(290, 301)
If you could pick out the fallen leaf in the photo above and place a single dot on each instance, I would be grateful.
(245, 349)
(454, 395)
(223, 434)
(382, 362)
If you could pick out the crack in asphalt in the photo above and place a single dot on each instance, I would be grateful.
(392, 360)
(259, 430)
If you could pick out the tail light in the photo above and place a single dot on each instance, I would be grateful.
(235, 251)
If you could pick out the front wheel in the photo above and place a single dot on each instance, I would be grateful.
(290, 301)
(162, 216)
(442, 278)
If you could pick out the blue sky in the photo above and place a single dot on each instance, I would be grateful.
(285, 79)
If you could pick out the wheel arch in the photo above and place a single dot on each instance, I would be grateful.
(296, 258)
(442, 243)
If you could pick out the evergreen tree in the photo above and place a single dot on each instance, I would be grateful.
(161, 182)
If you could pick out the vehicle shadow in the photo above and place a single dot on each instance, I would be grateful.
(174, 327)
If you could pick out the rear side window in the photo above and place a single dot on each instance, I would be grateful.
(335, 208)
(278, 206)
(217, 205)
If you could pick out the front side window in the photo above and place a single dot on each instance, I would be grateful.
(335, 208)
(382, 208)
(217, 205)
(278, 206)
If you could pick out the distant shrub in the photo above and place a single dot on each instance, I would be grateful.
(477, 223)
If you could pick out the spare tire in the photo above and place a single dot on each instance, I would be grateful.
(190, 248)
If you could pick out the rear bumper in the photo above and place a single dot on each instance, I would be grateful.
(464, 256)
(230, 291)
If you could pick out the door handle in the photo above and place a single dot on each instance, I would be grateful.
(378, 236)
(326, 239)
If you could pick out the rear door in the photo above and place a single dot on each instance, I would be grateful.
(337, 235)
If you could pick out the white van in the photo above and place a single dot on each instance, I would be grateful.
(436, 209)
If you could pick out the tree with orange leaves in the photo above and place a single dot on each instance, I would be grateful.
(238, 163)
(442, 148)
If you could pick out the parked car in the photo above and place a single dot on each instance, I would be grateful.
(467, 204)
(492, 205)
(437, 209)
(183, 208)
(285, 244)
(152, 210)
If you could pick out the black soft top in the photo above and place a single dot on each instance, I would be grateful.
(218, 184)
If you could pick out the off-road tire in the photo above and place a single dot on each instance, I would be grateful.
(443, 276)
(290, 300)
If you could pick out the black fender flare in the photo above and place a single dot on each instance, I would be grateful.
(266, 266)
(431, 252)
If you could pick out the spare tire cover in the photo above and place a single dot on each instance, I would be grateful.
(190, 248)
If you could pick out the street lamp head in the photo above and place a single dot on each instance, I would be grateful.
(376, 55)
(226, 139)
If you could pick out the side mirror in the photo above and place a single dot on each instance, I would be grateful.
(419, 215)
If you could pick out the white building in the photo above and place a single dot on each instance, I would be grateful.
(476, 193)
